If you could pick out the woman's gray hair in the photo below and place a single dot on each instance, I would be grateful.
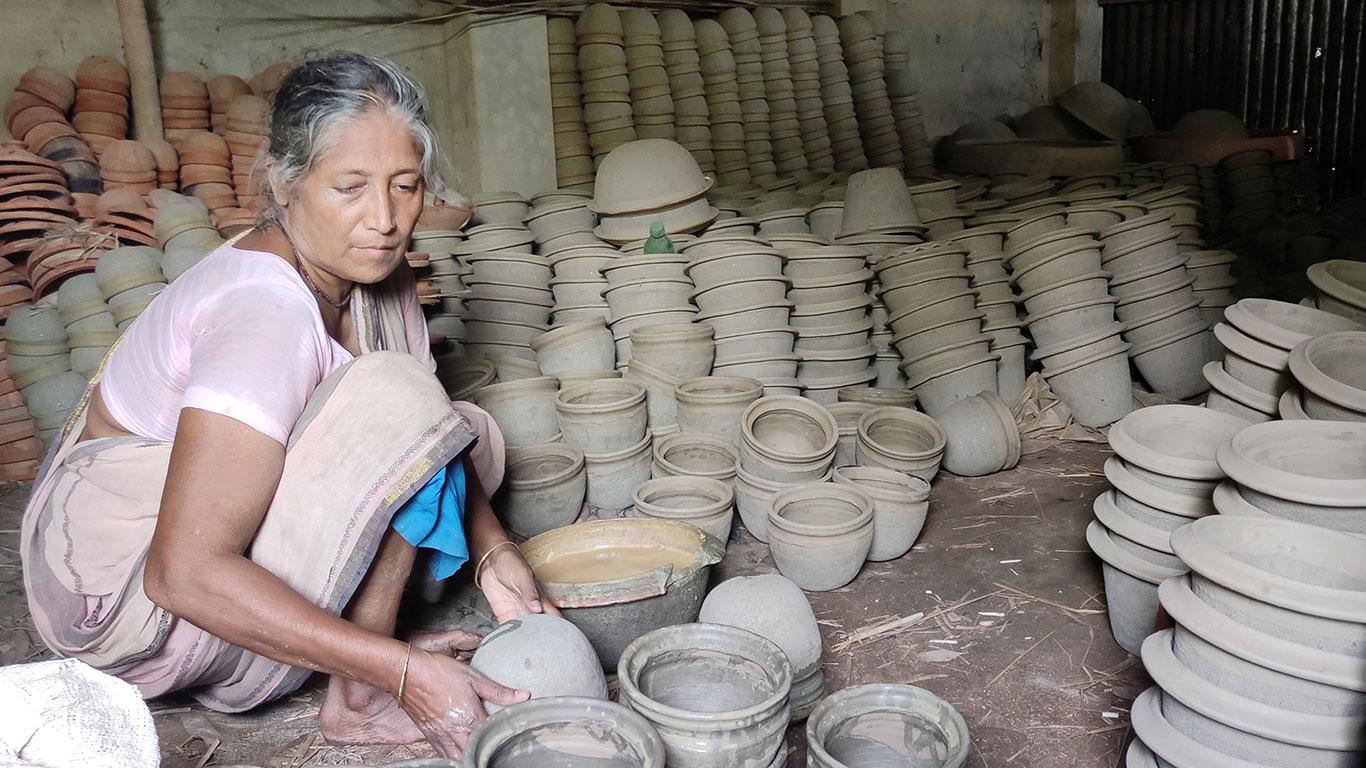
(323, 92)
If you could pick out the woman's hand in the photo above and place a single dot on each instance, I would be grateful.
(444, 696)
(510, 586)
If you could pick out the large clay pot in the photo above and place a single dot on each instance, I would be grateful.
(561, 730)
(524, 410)
(901, 439)
(1172, 363)
(716, 404)
(900, 504)
(880, 724)
(682, 350)
(820, 534)
(1329, 369)
(1291, 468)
(1056, 326)
(787, 439)
(546, 487)
(1091, 374)
(716, 694)
(982, 437)
(614, 477)
(580, 346)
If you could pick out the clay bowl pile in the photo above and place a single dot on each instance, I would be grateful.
(662, 356)
(996, 302)
(879, 724)
(126, 218)
(789, 155)
(508, 306)
(863, 58)
(101, 108)
(1340, 288)
(649, 289)
(89, 324)
(247, 132)
(1249, 183)
(222, 90)
(1257, 337)
(573, 155)
(936, 325)
(804, 62)
(1263, 664)
(652, 103)
(130, 165)
(683, 64)
(58, 257)
(830, 299)
(561, 221)
(579, 286)
(1162, 477)
(743, 33)
(741, 292)
(648, 181)
(34, 201)
(438, 236)
(1329, 371)
(821, 533)
(129, 277)
(603, 77)
(715, 405)
(20, 448)
(1213, 284)
(607, 420)
(206, 172)
(1312, 474)
(841, 117)
(184, 105)
(39, 364)
(785, 442)
(722, 92)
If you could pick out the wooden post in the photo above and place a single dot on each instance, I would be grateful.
(142, 70)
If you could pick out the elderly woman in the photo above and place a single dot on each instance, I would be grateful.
(241, 498)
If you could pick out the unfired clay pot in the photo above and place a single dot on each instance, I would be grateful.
(543, 654)
(614, 477)
(715, 404)
(602, 417)
(881, 725)
(900, 504)
(698, 501)
(901, 439)
(982, 437)
(695, 454)
(524, 410)
(546, 485)
(1130, 587)
(820, 534)
(559, 731)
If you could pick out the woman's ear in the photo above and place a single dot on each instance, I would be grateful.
(278, 191)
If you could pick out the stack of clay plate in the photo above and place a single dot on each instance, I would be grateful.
(33, 202)
(184, 230)
(683, 63)
(1161, 313)
(1257, 337)
(1340, 288)
(996, 303)
(130, 165)
(1213, 284)
(578, 285)
(129, 278)
(652, 103)
(743, 32)
(102, 101)
(789, 154)
(20, 448)
(863, 58)
(1162, 477)
(831, 302)
(742, 293)
(222, 90)
(648, 181)
(723, 104)
(126, 218)
(1262, 666)
(1249, 182)
(184, 105)
(936, 326)
(573, 156)
(248, 131)
(603, 78)
(206, 172)
(89, 323)
(62, 254)
(806, 89)
(841, 118)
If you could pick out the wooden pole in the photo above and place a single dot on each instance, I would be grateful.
(142, 70)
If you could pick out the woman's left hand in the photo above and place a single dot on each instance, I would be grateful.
(510, 586)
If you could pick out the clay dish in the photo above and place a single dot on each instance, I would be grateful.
(1175, 440)
(1282, 324)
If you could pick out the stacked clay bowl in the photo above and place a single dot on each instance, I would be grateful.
(1249, 183)
(649, 289)
(1329, 370)
(650, 180)
(1340, 288)
(722, 92)
(33, 202)
(1213, 284)
(805, 66)
(663, 356)
(1162, 477)
(785, 132)
(247, 131)
(743, 32)
(652, 104)
(838, 96)
(864, 60)
(36, 115)
(1313, 473)
(604, 79)
(996, 303)
(578, 285)
(607, 420)
(184, 105)
(125, 217)
(206, 172)
(89, 324)
(102, 101)
(128, 165)
(509, 304)
(683, 63)
(20, 448)
(1257, 338)
(129, 278)
(168, 163)
(1263, 663)
(742, 294)
(831, 303)
(58, 257)
(222, 90)
(785, 442)
(39, 364)
(573, 156)
(266, 82)
(936, 326)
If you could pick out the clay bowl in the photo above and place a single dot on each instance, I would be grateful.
(1282, 324)
(1285, 466)
(1329, 369)
(1341, 287)
(901, 439)
(560, 730)
(821, 533)
(880, 724)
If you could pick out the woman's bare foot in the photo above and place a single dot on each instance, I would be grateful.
(353, 713)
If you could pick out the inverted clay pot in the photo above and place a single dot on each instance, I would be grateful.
(820, 534)
(900, 504)
(982, 437)
(1093, 379)
(545, 655)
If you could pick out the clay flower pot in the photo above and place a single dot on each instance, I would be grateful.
(614, 477)
(1341, 287)
(1329, 371)
(982, 437)
(1130, 587)
(879, 724)
(820, 534)
(698, 501)
(546, 486)
(602, 417)
(1292, 467)
(517, 652)
(787, 439)
(900, 504)
(579, 725)
(580, 346)
(901, 439)
(524, 410)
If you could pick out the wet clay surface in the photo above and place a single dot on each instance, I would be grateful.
(1029, 662)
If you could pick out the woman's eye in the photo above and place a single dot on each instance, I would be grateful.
(350, 190)
(409, 188)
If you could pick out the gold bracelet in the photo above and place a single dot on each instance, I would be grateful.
(480, 566)
(403, 678)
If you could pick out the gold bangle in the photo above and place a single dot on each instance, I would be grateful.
(403, 678)
(479, 567)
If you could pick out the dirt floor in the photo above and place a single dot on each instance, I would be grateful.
(998, 609)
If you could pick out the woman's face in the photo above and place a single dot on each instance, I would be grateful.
(353, 213)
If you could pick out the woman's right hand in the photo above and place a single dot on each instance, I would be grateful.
(445, 696)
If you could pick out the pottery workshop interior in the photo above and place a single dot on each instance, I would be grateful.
(668, 384)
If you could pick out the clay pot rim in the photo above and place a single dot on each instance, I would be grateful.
(739, 252)
(1098, 538)
(1157, 274)
(740, 281)
(474, 296)
(670, 332)
(531, 452)
(919, 281)
(915, 490)
(704, 317)
(1127, 526)
(1101, 275)
(720, 495)
(951, 347)
(1324, 277)
(853, 496)
(1251, 349)
(826, 252)
(774, 403)
(936, 302)
(1249, 471)
(918, 420)
(773, 329)
(1163, 740)
(1138, 222)
(830, 307)
(1290, 407)
(741, 387)
(1121, 347)
(1199, 423)
(1181, 334)
(1312, 377)
(645, 260)
(867, 351)
(1234, 389)
(1245, 315)
(644, 282)
(975, 315)
(566, 332)
(1017, 274)
(667, 443)
(531, 385)
(1062, 308)
(1172, 307)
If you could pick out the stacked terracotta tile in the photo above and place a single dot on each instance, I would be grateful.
(837, 96)
(789, 154)
(652, 104)
(247, 133)
(573, 155)
(749, 75)
(723, 103)
(222, 90)
(863, 58)
(184, 105)
(20, 449)
(206, 172)
(102, 101)
(33, 202)
(806, 87)
(683, 63)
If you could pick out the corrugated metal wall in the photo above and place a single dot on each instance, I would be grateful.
(1280, 64)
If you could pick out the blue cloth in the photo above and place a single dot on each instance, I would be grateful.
(434, 519)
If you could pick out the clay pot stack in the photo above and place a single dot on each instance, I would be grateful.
(20, 448)
(1248, 180)
(39, 363)
(101, 107)
(648, 181)
(663, 356)
(1328, 369)
(247, 132)
(837, 95)
(683, 63)
(723, 104)
(1213, 284)
(126, 218)
(901, 439)
(438, 235)
(742, 294)
(789, 155)
(652, 102)
(573, 155)
(546, 485)
(579, 286)
(607, 420)
(743, 32)
(222, 90)
(1257, 336)
(206, 172)
(904, 97)
(185, 105)
(996, 302)
(831, 302)
(59, 256)
(1262, 664)
(900, 505)
(508, 305)
(89, 324)
(184, 231)
(129, 277)
(785, 442)
(603, 76)
(1162, 477)
(863, 58)
(806, 89)
(128, 165)
(33, 202)
(649, 289)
